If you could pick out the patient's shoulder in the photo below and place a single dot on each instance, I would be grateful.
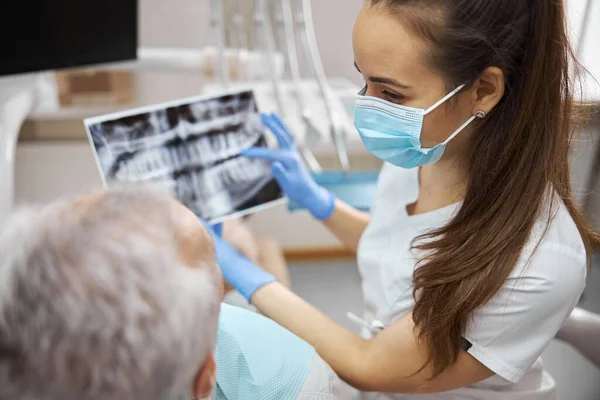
(256, 355)
(250, 327)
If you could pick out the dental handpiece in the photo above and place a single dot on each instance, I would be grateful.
(263, 25)
(311, 51)
(374, 327)
(280, 31)
(241, 39)
(292, 55)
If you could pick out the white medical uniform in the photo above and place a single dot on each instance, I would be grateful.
(509, 334)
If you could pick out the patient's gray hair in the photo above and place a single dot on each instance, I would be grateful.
(95, 304)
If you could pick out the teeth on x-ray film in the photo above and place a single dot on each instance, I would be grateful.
(193, 148)
(211, 184)
(203, 185)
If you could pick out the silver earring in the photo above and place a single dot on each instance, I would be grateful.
(480, 114)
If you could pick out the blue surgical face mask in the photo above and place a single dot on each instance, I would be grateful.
(392, 132)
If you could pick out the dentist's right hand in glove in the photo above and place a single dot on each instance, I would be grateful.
(240, 272)
(290, 172)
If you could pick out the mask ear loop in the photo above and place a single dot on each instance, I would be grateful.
(478, 115)
(442, 101)
(459, 130)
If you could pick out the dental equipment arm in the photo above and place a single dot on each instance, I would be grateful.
(287, 18)
(280, 31)
(582, 330)
(269, 46)
(311, 52)
(342, 220)
(241, 38)
(263, 25)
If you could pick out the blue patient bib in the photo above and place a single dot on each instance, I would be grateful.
(257, 358)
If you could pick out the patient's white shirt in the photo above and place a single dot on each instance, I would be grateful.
(507, 335)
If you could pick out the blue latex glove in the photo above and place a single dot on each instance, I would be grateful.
(242, 274)
(216, 229)
(290, 172)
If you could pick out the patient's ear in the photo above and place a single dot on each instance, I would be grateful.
(205, 380)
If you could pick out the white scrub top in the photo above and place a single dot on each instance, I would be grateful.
(509, 334)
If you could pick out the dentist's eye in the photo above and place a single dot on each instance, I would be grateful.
(363, 91)
(393, 97)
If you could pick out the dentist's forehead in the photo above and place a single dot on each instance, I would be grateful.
(385, 47)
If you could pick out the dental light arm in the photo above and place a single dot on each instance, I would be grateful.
(280, 31)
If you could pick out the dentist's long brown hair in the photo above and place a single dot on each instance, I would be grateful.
(518, 152)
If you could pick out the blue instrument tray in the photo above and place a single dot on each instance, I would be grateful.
(355, 188)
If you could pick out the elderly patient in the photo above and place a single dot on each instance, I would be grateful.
(116, 295)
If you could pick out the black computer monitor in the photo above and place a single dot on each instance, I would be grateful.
(43, 35)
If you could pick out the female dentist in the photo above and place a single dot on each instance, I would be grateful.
(474, 254)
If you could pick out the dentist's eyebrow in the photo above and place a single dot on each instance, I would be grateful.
(384, 81)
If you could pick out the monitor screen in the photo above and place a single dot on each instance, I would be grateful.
(43, 35)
